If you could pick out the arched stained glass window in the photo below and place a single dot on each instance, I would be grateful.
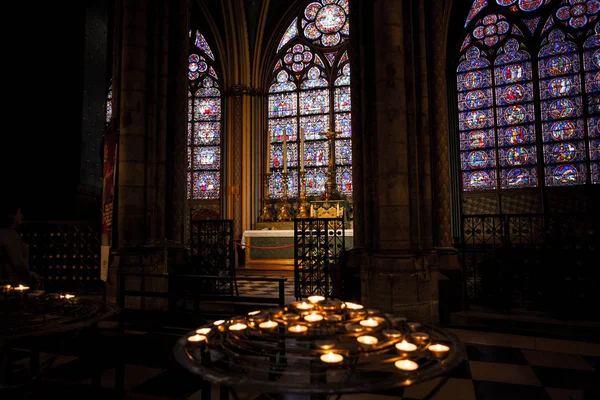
(310, 94)
(528, 84)
(204, 123)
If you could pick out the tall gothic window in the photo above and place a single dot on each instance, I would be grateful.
(109, 104)
(204, 123)
(310, 93)
(528, 81)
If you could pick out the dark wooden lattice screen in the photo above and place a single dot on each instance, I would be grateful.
(318, 243)
(66, 254)
(212, 254)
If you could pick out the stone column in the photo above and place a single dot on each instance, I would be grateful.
(152, 108)
(399, 266)
(176, 204)
(235, 100)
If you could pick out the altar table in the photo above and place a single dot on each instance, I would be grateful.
(276, 256)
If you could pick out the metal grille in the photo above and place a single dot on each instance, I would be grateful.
(66, 254)
(539, 261)
(213, 254)
(318, 243)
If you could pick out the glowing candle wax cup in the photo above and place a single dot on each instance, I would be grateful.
(324, 344)
(251, 313)
(268, 325)
(405, 346)
(21, 288)
(353, 306)
(197, 338)
(304, 306)
(332, 358)
(203, 331)
(439, 350)
(238, 327)
(298, 329)
(313, 317)
(370, 323)
(368, 340)
(316, 299)
(406, 365)
(355, 327)
(219, 322)
(414, 326)
(420, 337)
(391, 333)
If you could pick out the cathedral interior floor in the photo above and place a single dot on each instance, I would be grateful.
(499, 366)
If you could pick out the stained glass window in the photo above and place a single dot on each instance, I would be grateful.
(204, 124)
(309, 95)
(109, 104)
(504, 116)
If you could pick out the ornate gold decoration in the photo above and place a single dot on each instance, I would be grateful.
(266, 211)
(284, 208)
(302, 203)
(331, 190)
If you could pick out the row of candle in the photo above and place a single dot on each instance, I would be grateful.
(438, 349)
(19, 288)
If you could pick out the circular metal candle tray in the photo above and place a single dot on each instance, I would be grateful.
(26, 314)
(280, 360)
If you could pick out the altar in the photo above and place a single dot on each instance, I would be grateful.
(274, 249)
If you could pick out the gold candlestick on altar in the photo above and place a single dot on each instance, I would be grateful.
(302, 203)
(266, 211)
(284, 208)
(331, 190)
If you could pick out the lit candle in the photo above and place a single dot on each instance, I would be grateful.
(313, 317)
(405, 346)
(238, 327)
(333, 317)
(355, 328)
(304, 306)
(324, 344)
(219, 322)
(290, 317)
(414, 326)
(284, 151)
(369, 340)
(298, 329)
(203, 331)
(332, 358)
(254, 312)
(301, 149)
(370, 323)
(21, 288)
(420, 337)
(316, 299)
(354, 306)
(197, 338)
(268, 325)
(406, 365)
(391, 333)
(439, 350)
(66, 296)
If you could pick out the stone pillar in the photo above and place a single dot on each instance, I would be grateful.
(235, 100)
(439, 122)
(176, 206)
(152, 102)
(398, 265)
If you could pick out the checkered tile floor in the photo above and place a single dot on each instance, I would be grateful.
(265, 289)
(499, 366)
